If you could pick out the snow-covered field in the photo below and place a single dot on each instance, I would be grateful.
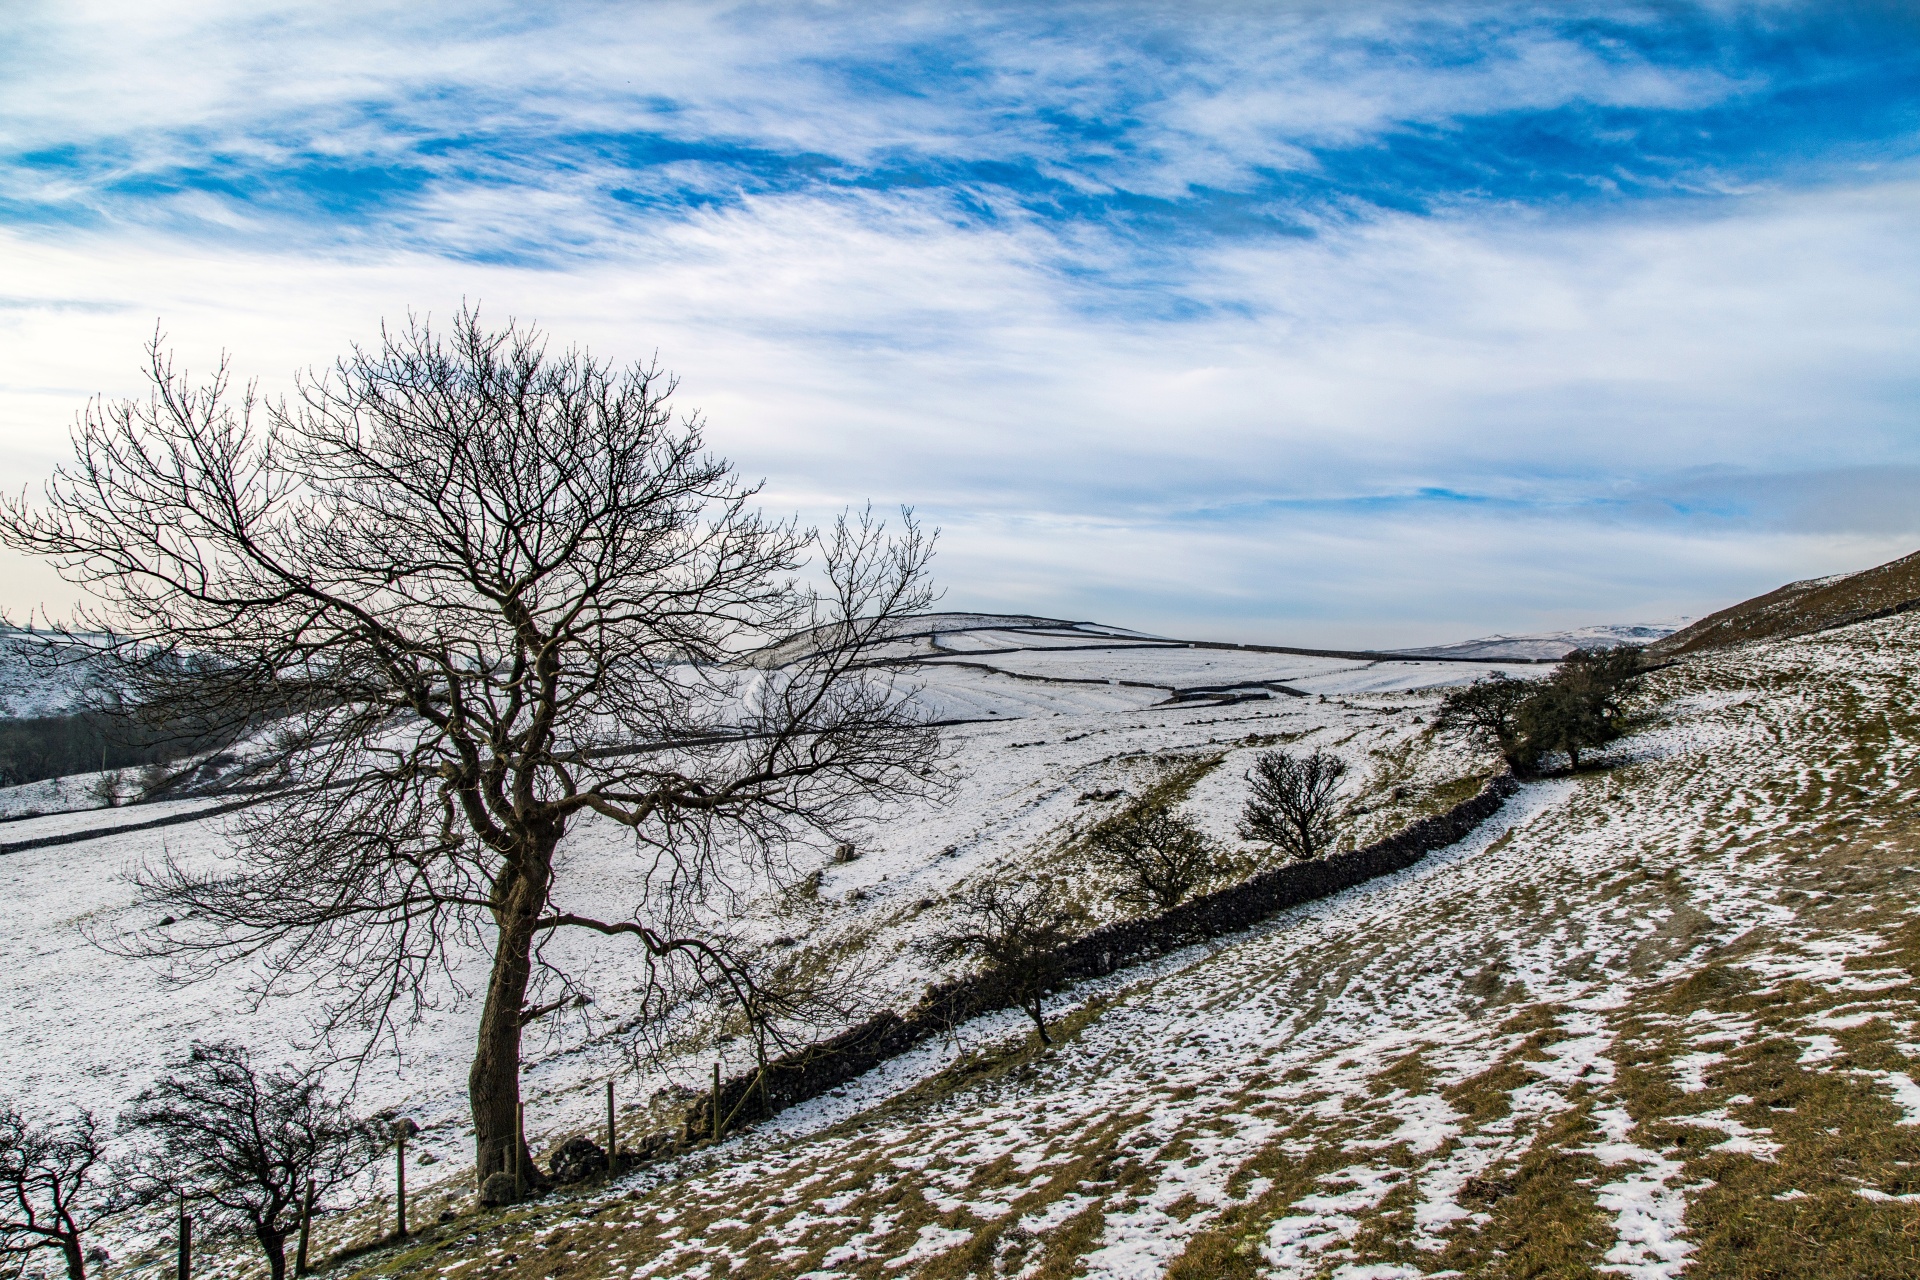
(1646, 1020)
(1019, 782)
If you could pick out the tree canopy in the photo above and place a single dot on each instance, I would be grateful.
(486, 590)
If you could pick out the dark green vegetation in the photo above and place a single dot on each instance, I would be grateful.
(1580, 707)
(56, 746)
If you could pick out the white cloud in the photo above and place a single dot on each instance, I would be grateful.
(875, 351)
(1190, 98)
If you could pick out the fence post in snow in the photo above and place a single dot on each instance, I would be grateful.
(306, 1232)
(519, 1144)
(613, 1147)
(400, 1179)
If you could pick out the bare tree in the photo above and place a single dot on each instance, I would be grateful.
(1294, 805)
(777, 1000)
(243, 1144)
(107, 788)
(1014, 930)
(1489, 712)
(1159, 856)
(52, 1192)
(488, 591)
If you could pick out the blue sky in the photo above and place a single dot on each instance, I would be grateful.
(1331, 323)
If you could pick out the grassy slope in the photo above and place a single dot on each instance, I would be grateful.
(1665, 1023)
(1802, 607)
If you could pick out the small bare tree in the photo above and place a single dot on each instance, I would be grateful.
(1159, 856)
(1294, 805)
(489, 591)
(107, 788)
(1015, 930)
(775, 999)
(52, 1192)
(243, 1144)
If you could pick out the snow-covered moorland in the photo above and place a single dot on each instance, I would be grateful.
(1031, 750)
(1646, 1022)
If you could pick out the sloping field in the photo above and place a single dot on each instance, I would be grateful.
(1800, 608)
(1655, 1021)
(1023, 774)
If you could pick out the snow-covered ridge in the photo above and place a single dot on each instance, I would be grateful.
(30, 685)
(1550, 645)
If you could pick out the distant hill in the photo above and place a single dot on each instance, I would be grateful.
(1798, 608)
(1550, 644)
(31, 685)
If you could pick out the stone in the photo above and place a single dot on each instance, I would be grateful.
(497, 1190)
(577, 1160)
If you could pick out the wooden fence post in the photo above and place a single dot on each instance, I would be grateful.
(306, 1232)
(400, 1178)
(716, 1102)
(613, 1144)
(519, 1145)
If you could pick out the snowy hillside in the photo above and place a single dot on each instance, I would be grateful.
(1656, 1018)
(1055, 715)
(31, 684)
(1653, 1018)
(1549, 645)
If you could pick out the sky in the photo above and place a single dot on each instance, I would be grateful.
(1344, 324)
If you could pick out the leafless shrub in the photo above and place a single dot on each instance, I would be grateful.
(107, 789)
(1013, 929)
(1158, 856)
(775, 997)
(53, 1192)
(153, 780)
(242, 1145)
(1294, 805)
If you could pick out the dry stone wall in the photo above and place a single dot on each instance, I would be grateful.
(811, 1072)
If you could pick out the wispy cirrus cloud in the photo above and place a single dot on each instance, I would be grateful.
(1125, 118)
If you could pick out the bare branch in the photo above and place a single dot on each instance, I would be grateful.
(484, 591)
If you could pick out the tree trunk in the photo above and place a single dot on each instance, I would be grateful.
(1038, 1015)
(76, 1261)
(493, 1082)
(274, 1245)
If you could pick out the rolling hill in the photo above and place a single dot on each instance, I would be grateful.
(1656, 1020)
(1801, 608)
